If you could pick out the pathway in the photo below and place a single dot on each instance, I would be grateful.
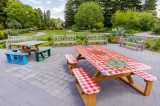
(147, 34)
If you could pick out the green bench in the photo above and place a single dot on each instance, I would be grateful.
(42, 54)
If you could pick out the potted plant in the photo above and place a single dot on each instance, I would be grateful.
(118, 32)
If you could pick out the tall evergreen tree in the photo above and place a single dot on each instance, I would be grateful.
(48, 16)
(150, 5)
(40, 13)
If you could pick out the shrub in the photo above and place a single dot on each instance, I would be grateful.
(111, 38)
(1, 27)
(133, 20)
(49, 38)
(153, 44)
(99, 25)
(74, 28)
(156, 29)
(2, 35)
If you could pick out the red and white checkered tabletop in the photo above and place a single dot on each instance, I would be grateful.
(88, 85)
(99, 56)
(71, 59)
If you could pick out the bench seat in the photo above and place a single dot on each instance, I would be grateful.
(145, 75)
(71, 62)
(86, 86)
(71, 59)
(39, 54)
(17, 58)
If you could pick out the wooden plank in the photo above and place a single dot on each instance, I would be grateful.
(89, 100)
(101, 78)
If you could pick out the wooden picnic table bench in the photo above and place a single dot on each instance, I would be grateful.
(86, 86)
(71, 62)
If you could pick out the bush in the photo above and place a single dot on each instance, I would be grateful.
(111, 38)
(153, 44)
(1, 27)
(74, 28)
(2, 35)
(49, 38)
(99, 25)
(133, 20)
(156, 29)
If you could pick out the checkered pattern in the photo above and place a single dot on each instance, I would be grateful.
(88, 85)
(99, 56)
(71, 59)
(145, 75)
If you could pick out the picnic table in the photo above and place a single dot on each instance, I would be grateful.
(26, 46)
(99, 56)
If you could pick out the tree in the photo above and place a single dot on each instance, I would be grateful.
(40, 13)
(150, 5)
(24, 14)
(3, 15)
(88, 14)
(111, 6)
(48, 16)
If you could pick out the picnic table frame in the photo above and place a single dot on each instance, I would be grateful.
(25, 46)
(125, 77)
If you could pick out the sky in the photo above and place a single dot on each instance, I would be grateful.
(57, 6)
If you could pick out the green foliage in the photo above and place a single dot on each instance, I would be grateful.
(3, 15)
(74, 28)
(156, 29)
(133, 20)
(24, 14)
(111, 38)
(150, 5)
(99, 25)
(86, 18)
(119, 31)
(153, 44)
(1, 27)
(5, 33)
(14, 24)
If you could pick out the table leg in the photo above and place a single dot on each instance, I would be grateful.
(37, 47)
(22, 49)
(98, 73)
(145, 91)
(79, 57)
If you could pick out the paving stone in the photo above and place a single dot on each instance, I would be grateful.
(49, 83)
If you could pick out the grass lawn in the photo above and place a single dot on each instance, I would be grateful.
(51, 33)
(29, 34)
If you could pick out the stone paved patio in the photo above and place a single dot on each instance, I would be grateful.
(49, 83)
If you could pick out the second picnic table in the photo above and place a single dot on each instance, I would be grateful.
(99, 56)
(26, 46)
